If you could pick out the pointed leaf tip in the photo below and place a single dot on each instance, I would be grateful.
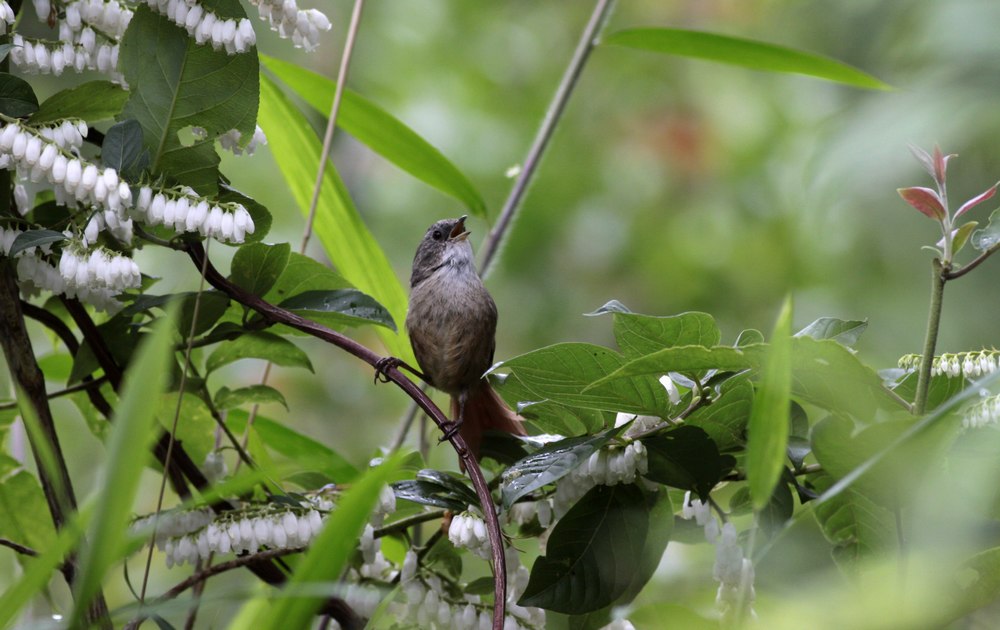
(924, 200)
(978, 199)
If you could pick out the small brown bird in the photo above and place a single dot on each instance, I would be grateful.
(452, 324)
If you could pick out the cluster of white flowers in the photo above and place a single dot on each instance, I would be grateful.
(984, 413)
(968, 364)
(232, 35)
(66, 134)
(98, 269)
(468, 531)
(429, 605)
(274, 527)
(34, 275)
(184, 211)
(375, 565)
(732, 570)
(608, 466)
(302, 26)
(7, 16)
(9, 235)
(528, 511)
(46, 58)
(230, 140)
(174, 523)
(110, 18)
(79, 179)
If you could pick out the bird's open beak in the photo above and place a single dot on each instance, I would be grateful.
(459, 233)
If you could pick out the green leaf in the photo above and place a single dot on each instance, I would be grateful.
(545, 415)
(661, 528)
(592, 552)
(175, 83)
(857, 527)
(123, 150)
(17, 99)
(328, 553)
(573, 374)
(24, 515)
(687, 459)
(227, 398)
(773, 516)
(302, 274)
(961, 235)
(742, 52)
(93, 101)
(940, 388)
(381, 132)
(259, 345)
(767, 432)
(340, 307)
(549, 464)
(346, 240)
(256, 267)
(425, 493)
(749, 337)
(451, 483)
(638, 335)
(127, 453)
(839, 330)
(989, 236)
(685, 359)
(665, 615)
(726, 419)
(977, 582)
(300, 448)
(34, 238)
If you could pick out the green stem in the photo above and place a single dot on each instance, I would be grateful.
(938, 279)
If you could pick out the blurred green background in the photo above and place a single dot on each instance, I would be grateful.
(671, 184)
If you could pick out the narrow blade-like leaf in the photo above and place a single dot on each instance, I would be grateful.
(768, 427)
(743, 52)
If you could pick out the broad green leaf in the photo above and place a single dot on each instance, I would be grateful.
(839, 330)
(123, 149)
(778, 510)
(687, 459)
(300, 448)
(426, 493)
(742, 52)
(455, 485)
(638, 335)
(328, 553)
(256, 267)
(591, 554)
(175, 83)
(93, 101)
(749, 337)
(380, 131)
(961, 236)
(211, 305)
(940, 388)
(227, 398)
(34, 238)
(857, 527)
(340, 307)
(17, 99)
(977, 582)
(686, 359)
(302, 274)
(572, 373)
(661, 528)
(259, 345)
(726, 419)
(767, 431)
(346, 240)
(24, 515)
(545, 415)
(127, 453)
(549, 464)
(989, 236)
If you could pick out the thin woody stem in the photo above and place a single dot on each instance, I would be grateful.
(938, 280)
(552, 117)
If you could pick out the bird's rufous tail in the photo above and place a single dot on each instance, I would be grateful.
(485, 411)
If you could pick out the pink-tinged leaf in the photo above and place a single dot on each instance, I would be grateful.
(940, 164)
(924, 158)
(925, 200)
(975, 201)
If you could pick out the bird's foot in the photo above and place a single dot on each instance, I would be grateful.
(383, 365)
(450, 429)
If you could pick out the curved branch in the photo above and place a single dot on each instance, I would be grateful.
(952, 274)
(278, 315)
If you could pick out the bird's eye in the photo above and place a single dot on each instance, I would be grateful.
(437, 235)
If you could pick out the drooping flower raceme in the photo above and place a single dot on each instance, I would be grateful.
(233, 35)
(37, 57)
(184, 211)
(301, 26)
(7, 16)
(609, 466)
